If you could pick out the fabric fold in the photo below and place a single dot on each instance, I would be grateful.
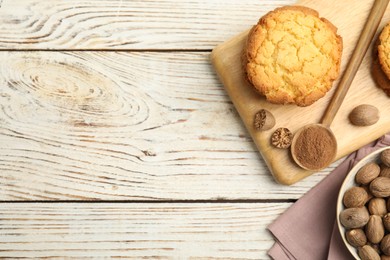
(308, 229)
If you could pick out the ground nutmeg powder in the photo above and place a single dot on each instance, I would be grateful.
(315, 148)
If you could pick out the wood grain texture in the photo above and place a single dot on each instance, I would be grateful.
(126, 24)
(127, 126)
(156, 231)
(366, 37)
(227, 57)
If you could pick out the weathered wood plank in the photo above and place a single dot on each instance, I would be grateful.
(127, 126)
(126, 24)
(166, 231)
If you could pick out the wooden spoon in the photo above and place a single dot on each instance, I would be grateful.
(369, 30)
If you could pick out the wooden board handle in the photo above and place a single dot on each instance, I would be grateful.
(369, 30)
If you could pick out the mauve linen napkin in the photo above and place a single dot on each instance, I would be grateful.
(308, 229)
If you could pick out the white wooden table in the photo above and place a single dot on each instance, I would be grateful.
(117, 138)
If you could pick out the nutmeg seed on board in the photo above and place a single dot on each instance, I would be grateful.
(263, 120)
(364, 115)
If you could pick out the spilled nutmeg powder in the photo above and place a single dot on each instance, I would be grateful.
(315, 148)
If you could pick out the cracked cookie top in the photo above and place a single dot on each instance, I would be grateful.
(293, 56)
(381, 64)
(384, 50)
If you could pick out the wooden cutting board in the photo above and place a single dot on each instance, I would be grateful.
(349, 16)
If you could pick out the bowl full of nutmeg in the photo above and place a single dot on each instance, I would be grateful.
(363, 207)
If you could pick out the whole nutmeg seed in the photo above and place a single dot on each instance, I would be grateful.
(375, 230)
(354, 217)
(355, 197)
(385, 157)
(368, 253)
(385, 171)
(377, 206)
(380, 187)
(364, 115)
(367, 173)
(386, 221)
(263, 120)
(385, 245)
(356, 237)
